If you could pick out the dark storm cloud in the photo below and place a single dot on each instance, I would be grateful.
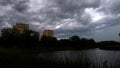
(110, 7)
(20, 6)
(69, 8)
(5, 2)
(66, 17)
(13, 11)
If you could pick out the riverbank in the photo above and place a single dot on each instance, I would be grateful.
(36, 50)
(110, 47)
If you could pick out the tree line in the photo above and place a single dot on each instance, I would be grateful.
(14, 38)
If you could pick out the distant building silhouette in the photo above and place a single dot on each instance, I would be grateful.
(21, 27)
(48, 32)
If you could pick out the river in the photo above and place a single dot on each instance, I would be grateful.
(96, 56)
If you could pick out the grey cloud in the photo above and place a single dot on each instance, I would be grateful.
(20, 6)
(6, 2)
(110, 7)
(108, 21)
(67, 8)
(66, 17)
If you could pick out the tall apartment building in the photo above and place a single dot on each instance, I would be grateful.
(48, 33)
(21, 27)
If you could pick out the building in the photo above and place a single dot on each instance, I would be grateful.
(21, 27)
(48, 33)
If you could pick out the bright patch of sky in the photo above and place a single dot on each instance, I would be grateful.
(95, 15)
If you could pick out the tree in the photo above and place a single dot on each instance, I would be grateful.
(6, 32)
(74, 38)
(74, 41)
(12, 37)
(28, 38)
(48, 41)
(6, 36)
(119, 34)
(32, 37)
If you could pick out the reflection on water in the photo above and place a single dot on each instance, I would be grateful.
(95, 56)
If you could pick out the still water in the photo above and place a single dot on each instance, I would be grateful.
(95, 56)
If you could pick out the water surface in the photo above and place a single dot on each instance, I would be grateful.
(94, 56)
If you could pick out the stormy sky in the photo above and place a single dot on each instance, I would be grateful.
(97, 19)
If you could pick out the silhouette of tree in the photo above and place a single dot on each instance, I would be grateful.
(74, 38)
(6, 36)
(48, 41)
(74, 41)
(12, 37)
(119, 34)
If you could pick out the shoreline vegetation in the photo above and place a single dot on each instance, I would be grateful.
(13, 38)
